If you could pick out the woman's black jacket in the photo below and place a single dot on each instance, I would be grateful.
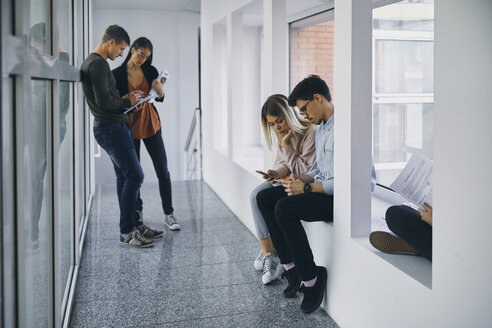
(121, 76)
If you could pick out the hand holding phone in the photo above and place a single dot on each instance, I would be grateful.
(265, 175)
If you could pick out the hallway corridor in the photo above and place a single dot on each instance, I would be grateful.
(201, 276)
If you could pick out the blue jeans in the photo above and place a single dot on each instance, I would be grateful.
(117, 140)
(157, 152)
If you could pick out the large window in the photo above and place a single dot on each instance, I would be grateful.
(403, 55)
(40, 135)
(311, 48)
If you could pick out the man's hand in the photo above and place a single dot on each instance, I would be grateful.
(426, 214)
(158, 87)
(292, 186)
(306, 178)
(286, 139)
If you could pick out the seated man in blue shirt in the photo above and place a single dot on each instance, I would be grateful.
(308, 197)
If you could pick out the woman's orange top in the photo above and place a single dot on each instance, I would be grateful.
(145, 122)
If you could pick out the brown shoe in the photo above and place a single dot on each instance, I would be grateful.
(388, 243)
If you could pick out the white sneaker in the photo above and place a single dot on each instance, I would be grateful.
(272, 269)
(259, 261)
(171, 222)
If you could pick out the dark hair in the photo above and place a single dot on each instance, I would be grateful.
(117, 33)
(307, 88)
(141, 42)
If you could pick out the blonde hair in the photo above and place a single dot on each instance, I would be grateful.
(277, 105)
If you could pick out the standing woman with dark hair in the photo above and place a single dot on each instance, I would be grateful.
(137, 73)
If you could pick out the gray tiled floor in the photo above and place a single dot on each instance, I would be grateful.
(201, 276)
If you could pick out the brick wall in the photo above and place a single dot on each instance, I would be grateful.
(311, 52)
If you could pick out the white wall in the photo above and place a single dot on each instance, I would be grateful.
(174, 36)
(363, 289)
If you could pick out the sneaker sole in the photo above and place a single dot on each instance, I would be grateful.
(172, 227)
(323, 278)
(258, 265)
(137, 246)
(387, 243)
(277, 274)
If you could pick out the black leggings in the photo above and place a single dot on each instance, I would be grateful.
(157, 152)
(283, 215)
(406, 223)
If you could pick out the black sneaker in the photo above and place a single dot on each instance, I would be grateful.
(150, 233)
(134, 238)
(313, 296)
(294, 282)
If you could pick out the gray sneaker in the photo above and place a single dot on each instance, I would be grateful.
(259, 261)
(272, 268)
(150, 233)
(134, 238)
(171, 222)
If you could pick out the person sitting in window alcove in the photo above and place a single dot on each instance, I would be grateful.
(295, 155)
(413, 230)
(308, 197)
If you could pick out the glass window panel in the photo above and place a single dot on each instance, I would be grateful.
(404, 66)
(409, 15)
(64, 29)
(80, 140)
(40, 26)
(403, 85)
(65, 182)
(311, 48)
(79, 29)
(398, 131)
(38, 185)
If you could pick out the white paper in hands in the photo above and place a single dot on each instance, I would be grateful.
(152, 93)
(414, 182)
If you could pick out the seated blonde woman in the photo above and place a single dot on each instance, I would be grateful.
(295, 155)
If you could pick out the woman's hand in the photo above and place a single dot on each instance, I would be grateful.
(158, 87)
(272, 175)
(426, 214)
(286, 139)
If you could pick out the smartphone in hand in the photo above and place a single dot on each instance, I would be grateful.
(263, 173)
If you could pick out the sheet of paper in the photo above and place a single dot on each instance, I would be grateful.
(140, 101)
(415, 181)
(152, 93)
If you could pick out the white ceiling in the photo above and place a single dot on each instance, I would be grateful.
(295, 9)
(172, 5)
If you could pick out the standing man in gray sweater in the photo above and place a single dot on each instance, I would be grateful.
(113, 133)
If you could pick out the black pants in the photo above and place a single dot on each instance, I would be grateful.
(157, 152)
(283, 215)
(406, 223)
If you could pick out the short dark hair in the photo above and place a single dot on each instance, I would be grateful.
(117, 33)
(307, 88)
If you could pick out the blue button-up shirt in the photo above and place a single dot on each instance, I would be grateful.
(324, 156)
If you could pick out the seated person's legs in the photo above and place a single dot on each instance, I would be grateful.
(261, 228)
(407, 224)
(289, 212)
(266, 200)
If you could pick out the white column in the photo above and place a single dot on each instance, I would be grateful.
(235, 81)
(462, 162)
(276, 48)
(353, 116)
(275, 73)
